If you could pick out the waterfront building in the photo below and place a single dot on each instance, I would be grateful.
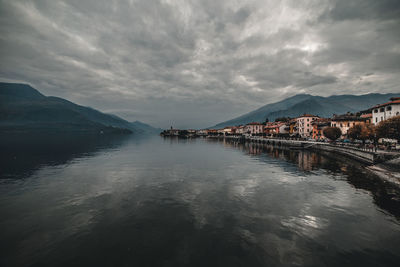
(293, 127)
(273, 128)
(240, 130)
(254, 128)
(318, 128)
(202, 132)
(229, 130)
(304, 124)
(234, 129)
(367, 117)
(385, 111)
(212, 132)
(220, 131)
(346, 121)
(173, 132)
(284, 128)
(191, 131)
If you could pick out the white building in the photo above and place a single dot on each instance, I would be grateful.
(221, 131)
(304, 126)
(228, 130)
(284, 128)
(385, 111)
(254, 128)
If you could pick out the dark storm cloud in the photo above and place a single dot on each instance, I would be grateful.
(195, 63)
(364, 9)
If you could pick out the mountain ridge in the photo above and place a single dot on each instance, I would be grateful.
(24, 108)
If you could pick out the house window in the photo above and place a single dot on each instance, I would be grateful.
(381, 118)
(389, 108)
(348, 124)
(382, 109)
(375, 111)
(376, 119)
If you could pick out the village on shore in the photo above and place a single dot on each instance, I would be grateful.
(376, 124)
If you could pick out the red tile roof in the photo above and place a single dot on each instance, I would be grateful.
(369, 115)
(388, 103)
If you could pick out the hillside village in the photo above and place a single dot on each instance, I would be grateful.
(361, 125)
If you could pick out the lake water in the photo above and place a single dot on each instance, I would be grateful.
(127, 201)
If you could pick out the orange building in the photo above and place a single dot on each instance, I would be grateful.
(293, 127)
(318, 128)
(271, 128)
(276, 128)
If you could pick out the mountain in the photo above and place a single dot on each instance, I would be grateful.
(304, 103)
(145, 128)
(259, 115)
(23, 108)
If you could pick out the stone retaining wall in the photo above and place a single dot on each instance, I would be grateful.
(356, 153)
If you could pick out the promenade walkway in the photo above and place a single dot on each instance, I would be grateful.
(367, 155)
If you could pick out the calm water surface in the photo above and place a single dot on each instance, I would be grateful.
(168, 202)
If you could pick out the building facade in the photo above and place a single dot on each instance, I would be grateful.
(240, 130)
(254, 128)
(271, 128)
(346, 121)
(304, 124)
(293, 131)
(385, 111)
(319, 126)
(202, 132)
(228, 130)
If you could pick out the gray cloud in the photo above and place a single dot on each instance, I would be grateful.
(196, 63)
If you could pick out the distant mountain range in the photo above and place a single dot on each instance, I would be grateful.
(304, 103)
(25, 109)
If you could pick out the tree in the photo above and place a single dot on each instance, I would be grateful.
(362, 132)
(332, 133)
(389, 128)
(368, 132)
(355, 132)
(282, 119)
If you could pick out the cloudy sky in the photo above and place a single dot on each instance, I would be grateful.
(197, 63)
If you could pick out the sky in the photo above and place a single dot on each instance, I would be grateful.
(192, 64)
